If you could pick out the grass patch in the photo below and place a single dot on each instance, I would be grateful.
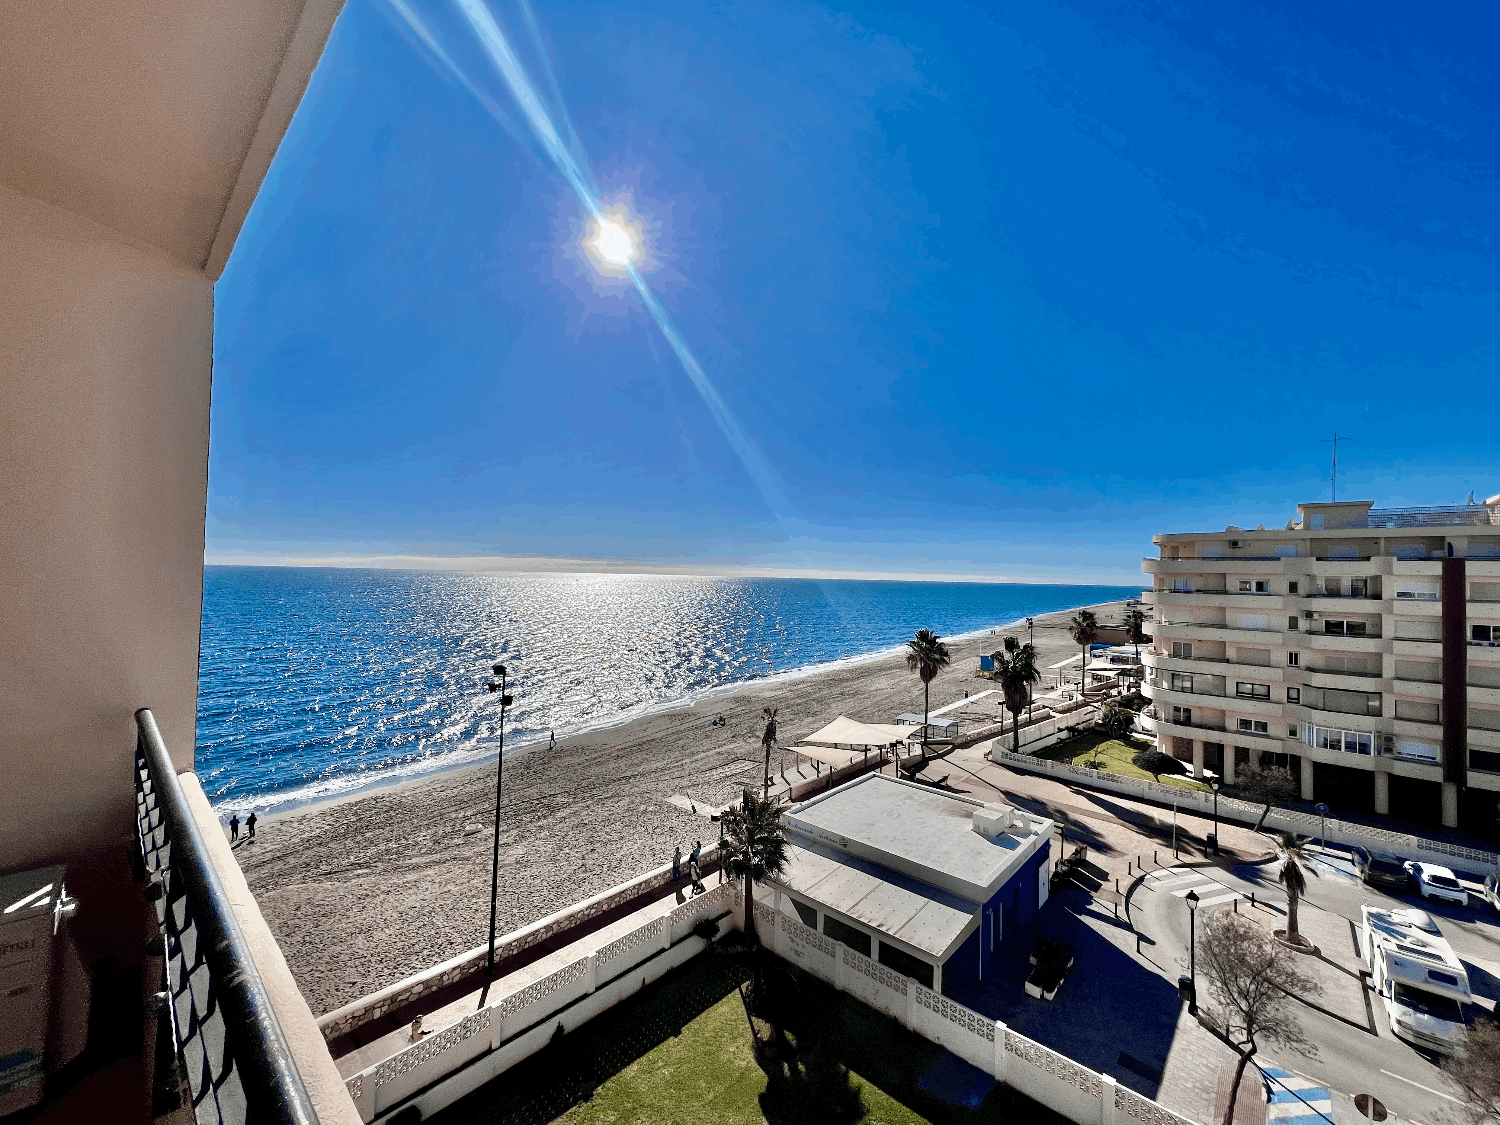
(1113, 756)
(682, 1052)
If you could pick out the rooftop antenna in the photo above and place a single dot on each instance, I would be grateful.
(1333, 480)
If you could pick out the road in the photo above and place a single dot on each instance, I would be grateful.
(1353, 1050)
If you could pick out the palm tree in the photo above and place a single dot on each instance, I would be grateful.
(754, 847)
(1294, 877)
(1015, 668)
(1084, 628)
(768, 740)
(926, 655)
(1135, 622)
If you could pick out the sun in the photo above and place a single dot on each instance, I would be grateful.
(615, 242)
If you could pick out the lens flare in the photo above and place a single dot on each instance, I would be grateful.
(615, 242)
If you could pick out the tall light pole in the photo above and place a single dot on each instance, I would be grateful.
(1192, 901)
(505, 701)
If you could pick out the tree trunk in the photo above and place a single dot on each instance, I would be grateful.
(1234, 1090)
(1015, 730)
(766, 792)
(1265, 812)
(926, 706)
(1291, 912)
(749, 910)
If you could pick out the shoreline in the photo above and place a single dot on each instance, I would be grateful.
(366, 888)
(271, 807)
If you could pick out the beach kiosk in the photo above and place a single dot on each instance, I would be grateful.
(929, 884)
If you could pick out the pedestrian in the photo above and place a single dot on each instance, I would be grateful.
(234, 828)
(698, 887)
(551, 740)
(677, 863)
(697, 851)
(250, 824)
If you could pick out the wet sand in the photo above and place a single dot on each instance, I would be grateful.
(365, 890)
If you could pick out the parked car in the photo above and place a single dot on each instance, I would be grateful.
(1380, 870)
(1432, 881)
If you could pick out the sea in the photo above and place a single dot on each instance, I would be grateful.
(316, 682)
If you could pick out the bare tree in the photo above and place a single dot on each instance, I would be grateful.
(1269, 785)
(1476, 1071)
(1253, 983)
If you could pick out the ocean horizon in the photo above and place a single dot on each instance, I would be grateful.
(316, 682)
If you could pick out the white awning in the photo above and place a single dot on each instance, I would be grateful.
(845, 731)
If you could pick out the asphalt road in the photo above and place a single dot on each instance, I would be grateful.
(1354, 1050)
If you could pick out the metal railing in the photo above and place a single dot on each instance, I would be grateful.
(225, 1034)
(1434, 515)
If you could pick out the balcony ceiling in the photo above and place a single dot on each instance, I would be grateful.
(156, 118)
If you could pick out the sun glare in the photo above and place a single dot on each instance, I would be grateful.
(615, 242)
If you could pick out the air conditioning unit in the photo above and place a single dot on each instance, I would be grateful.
(1307, 614)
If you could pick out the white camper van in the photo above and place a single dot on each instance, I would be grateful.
(1418, 978)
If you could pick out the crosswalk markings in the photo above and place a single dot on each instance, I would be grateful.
(1296, 1099)
(1180, 880)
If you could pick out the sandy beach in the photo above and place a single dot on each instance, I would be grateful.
(367, 889)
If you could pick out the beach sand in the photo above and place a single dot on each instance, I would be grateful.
(366, 890)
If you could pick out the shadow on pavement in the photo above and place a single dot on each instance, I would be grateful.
(1109, 1001)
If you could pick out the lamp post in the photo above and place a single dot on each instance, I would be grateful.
(1192, 901)
(505, 701)
(1214, 785)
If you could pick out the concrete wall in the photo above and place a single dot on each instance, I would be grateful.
(105, 353)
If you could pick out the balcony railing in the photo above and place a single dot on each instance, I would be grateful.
(226, 1041)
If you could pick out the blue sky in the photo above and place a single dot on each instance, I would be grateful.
(993, 291)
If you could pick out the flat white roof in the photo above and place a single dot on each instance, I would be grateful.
(916, 831)
(929, 921)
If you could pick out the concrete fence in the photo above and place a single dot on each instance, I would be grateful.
(440, 976)
(1056, 1081)
(1472, 861)
(517, 1023)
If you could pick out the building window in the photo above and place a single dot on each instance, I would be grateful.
(905, 964)
(1254, 726)
(1183, 650)
(1182, 585)
(1182, 682)
(808, 915)
(1486, 760)
(1345, 741)
(1294, 660)
(857, 940)
(1291, 731)
(1254, 586)
(1182, 716)
(1485, 634)
(1291, 587)
(1291, 624)
(1294, 695)
(1253, 691)
(1345, 628)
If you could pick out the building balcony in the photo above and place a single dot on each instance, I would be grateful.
(1488, 696)
(1369, 642)
(1340, 678)
(1249, 705)
(1482, 739)
(1418, 689)
(1239, 564)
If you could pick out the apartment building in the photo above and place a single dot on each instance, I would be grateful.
(1358, 647)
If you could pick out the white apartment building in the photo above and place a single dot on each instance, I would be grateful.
(1357, 646)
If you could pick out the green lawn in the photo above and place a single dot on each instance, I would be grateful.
(683, 1053)
(1113, 756)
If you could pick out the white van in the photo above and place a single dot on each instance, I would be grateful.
(1420, 981)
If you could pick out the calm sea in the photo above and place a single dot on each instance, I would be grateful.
(319, 681)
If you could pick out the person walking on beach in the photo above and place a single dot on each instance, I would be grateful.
(677, 863)
(250, 824)
(234, 828)
(551, 740)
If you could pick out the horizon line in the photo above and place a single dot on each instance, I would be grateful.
(576, 564)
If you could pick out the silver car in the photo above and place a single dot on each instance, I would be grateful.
(1432, 881)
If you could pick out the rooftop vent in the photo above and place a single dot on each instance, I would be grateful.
(996, 820)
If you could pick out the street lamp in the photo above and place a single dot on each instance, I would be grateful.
(1192, 901)
(1214, 785)
(505, 701)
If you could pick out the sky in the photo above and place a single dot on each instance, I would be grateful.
(927, 290)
